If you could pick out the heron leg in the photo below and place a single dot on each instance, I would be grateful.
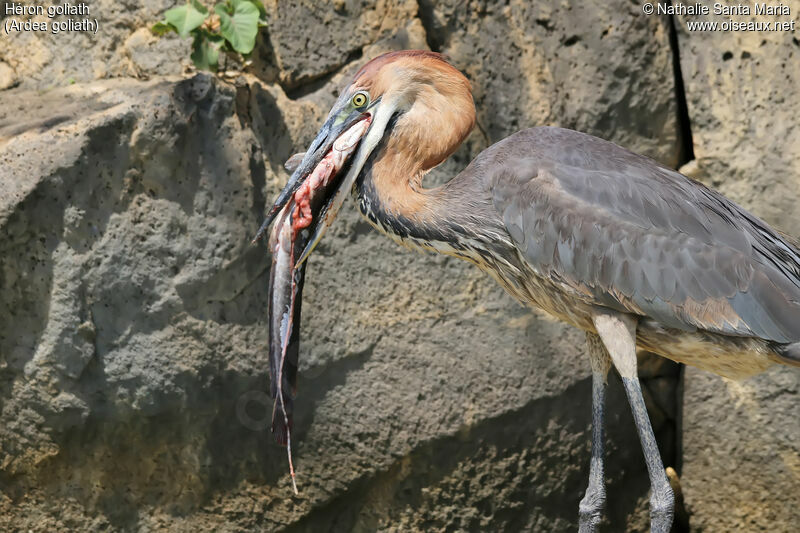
(591, 506)
(618, 333)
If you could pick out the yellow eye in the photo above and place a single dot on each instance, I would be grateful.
(360, 99)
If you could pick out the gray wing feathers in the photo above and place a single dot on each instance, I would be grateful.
(628, 233)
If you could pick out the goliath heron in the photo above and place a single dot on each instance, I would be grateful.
(631, 252)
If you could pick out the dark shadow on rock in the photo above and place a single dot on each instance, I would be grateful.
(312, 390)
(270, 128)
(541, 471)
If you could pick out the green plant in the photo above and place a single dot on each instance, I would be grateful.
(231, 28)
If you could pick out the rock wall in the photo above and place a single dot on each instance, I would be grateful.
(132, 346)
(122, 46)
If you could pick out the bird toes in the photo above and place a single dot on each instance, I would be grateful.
(590, 512)
(662, 509)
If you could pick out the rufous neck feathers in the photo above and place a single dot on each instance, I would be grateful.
(437, 115)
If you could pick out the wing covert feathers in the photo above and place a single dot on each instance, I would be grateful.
(634, 235)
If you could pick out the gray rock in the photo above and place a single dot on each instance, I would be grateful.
(741, 451)
(743, 94)
(334, 33)
(122, 46)
(8, 78)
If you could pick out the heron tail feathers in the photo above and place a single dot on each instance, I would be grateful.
(787, 354)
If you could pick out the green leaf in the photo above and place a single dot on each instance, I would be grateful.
(262, 11)
(162, 28)
(240, 29)
(187, 17)
(205, 51)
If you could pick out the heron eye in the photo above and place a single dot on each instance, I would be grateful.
(360, 99)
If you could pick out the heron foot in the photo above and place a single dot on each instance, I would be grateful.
(662, 508)
(590, 510)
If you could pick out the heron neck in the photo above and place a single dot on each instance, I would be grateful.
(390, 195)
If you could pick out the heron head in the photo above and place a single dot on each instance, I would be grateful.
(417, 106)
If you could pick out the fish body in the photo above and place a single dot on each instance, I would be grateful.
(311, 200)
(289, 241)
(285, 296)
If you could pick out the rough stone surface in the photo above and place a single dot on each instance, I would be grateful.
(334, 33)
(8, 78)
(581, 65)
(133, 308)
(743, 94)
(741, 455)
(122, 46)
(741, 441)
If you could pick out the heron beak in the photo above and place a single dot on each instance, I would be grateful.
(380, 114)
(338, 122)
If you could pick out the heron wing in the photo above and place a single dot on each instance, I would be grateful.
(625, 232)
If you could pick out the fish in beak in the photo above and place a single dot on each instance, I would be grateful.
(338, 127)
(303, 210)
(321, 179)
